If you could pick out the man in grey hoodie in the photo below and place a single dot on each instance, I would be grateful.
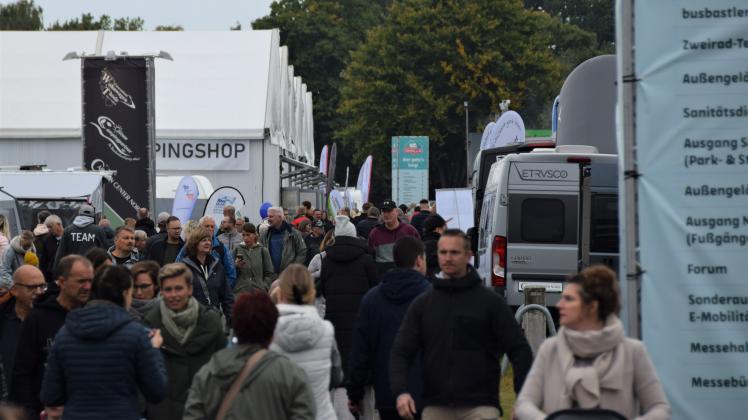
(82, 235)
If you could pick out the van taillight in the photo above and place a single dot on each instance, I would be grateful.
(498, 261)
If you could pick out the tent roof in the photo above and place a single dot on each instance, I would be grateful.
(216, 87)
(50, 185)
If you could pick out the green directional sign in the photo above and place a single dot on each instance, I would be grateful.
(410, 169)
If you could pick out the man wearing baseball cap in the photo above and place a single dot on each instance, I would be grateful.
(383, 237)
(82, 235)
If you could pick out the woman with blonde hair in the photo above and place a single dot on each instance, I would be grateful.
(305, 338)
(189, 228)
(590, 364)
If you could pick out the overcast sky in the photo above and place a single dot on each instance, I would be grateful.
(190, 14)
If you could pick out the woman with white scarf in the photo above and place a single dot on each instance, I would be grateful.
(590, 364)
(191, 332)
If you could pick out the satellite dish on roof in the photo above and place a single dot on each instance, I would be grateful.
(509, 129)
(587, 110)
(486, 135)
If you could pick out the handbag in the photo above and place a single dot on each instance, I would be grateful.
(223, 409)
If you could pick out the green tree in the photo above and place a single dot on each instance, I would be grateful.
(169, 28)
(414, 72)
(128, 24)
(88, 22)
(22, 15)
(320, 35)
(596, 16)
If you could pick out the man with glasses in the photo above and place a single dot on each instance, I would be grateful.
(164, 250)
(28, 284)
(74, 277)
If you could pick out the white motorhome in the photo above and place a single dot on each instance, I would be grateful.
(546, 214)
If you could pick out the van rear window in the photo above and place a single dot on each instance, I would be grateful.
(543, 220)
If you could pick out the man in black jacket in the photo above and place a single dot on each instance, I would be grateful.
(432, 231)
(81, 236)
(462, 330)
(365, 226)
(40, 327)
(164, 249)
(28, 284)
(144, 223)
(363, 215)
(421, 216)
(49, 248)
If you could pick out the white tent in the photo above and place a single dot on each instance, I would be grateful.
(220, 84)
(228, 86)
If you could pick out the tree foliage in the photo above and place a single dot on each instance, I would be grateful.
(87, 22)
(21, 16)
(320, 35)
(414, 72)
(596, 16)
(166, 28)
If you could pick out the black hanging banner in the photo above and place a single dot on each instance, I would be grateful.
(119, 130)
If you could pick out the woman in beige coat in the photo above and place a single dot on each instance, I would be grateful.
(590, 363)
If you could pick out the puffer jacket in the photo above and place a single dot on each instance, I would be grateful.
(99, 360)
(309, 342)
(348, 272)
(275, 389)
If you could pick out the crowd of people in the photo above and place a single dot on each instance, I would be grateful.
(371, 314)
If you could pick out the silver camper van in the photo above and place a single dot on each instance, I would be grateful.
(546, 214)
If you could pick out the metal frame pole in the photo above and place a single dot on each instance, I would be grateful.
(467, 143)
(626, 78)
